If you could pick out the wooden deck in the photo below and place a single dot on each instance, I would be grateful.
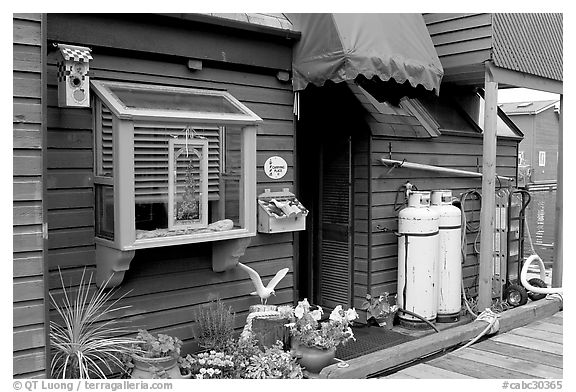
(532, 351)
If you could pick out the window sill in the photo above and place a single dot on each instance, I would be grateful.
(113, 261)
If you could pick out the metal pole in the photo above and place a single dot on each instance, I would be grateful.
(488, 192)
(558, 262)
(439, 169)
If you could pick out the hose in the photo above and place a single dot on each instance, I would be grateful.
(466, 228)
(528, 286)
(418, 317)
(493, 326)
(526, 266)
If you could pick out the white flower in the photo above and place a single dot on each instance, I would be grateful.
(335, 315)
(316, 314)
(202, 370)
(351, 314)
(210, 372)
(201, 361)
(299, 312)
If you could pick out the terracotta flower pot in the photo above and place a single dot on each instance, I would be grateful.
(314, 359)
(142, 366)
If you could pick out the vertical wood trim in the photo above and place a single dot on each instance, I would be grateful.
(44, 130)
(248, 181)
(488, 191)
(558, 243)
(369, 219)
(124, 208)
(351, 266)
(296, 236)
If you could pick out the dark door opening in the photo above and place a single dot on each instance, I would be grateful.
(324, 170)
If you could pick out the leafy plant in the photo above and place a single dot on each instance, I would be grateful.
(85, 344)
(211, 365)
(273, 362)
(160, 346)
(244, 359)
(379, 306)
(215, 324)
(307, 331)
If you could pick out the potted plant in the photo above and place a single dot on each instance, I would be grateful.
(156, 355)
(380, 310)
(314, 342)
(86, 339)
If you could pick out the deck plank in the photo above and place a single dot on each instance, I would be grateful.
(521, 352)
(548, 327)
(401, 375)
(537, 334)
(531, 343)
(553, 320)
(424, 370)
(532, 369)
(474, 369)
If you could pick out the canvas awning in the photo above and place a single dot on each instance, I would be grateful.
(340, 47)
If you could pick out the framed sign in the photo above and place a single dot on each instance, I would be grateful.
(275, 167)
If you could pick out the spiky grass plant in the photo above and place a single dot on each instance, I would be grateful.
(88, 342)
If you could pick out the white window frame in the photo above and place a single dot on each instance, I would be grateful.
(123, 153)
(172, 188)
(541, 158)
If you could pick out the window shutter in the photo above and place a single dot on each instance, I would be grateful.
(151, 156)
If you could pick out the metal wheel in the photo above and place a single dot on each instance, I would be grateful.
(516, 295)
(537, 282)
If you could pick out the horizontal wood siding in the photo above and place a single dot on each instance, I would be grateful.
(458, 152)
(165, 286)
(29, 328)
(462, 41)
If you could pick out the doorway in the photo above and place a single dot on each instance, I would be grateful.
(325, 188)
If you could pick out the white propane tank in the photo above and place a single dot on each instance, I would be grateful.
(417, 259)
(450, 256)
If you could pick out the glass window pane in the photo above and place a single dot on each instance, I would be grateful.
(137, 98)
(104, 211)
(157, 213)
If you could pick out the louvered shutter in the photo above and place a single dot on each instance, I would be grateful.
(151, 156)
(335, 280)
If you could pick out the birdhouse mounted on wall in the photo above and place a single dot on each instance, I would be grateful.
(73, 81)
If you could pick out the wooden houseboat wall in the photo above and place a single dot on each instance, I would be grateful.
(29, 317)
(167, 285)
(330, 111)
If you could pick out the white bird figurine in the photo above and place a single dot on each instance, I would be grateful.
(264, 292)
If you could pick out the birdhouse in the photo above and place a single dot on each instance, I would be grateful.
(73, 81)
(279, 212)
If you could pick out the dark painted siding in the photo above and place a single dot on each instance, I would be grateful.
(463, 43)
(541, 133)
(29, 326)
(458, 152)
(166, 285)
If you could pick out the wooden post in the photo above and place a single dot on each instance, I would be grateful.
(488, 192)
(557, 265)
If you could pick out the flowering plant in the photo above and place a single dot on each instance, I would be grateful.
(209, 365)
(308, 331)
(379, 307)
(150, 346)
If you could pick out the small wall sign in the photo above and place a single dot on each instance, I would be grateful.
(275, 167)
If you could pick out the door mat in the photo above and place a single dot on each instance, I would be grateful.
(369, 340)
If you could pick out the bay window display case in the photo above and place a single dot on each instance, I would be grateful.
(172, 166)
